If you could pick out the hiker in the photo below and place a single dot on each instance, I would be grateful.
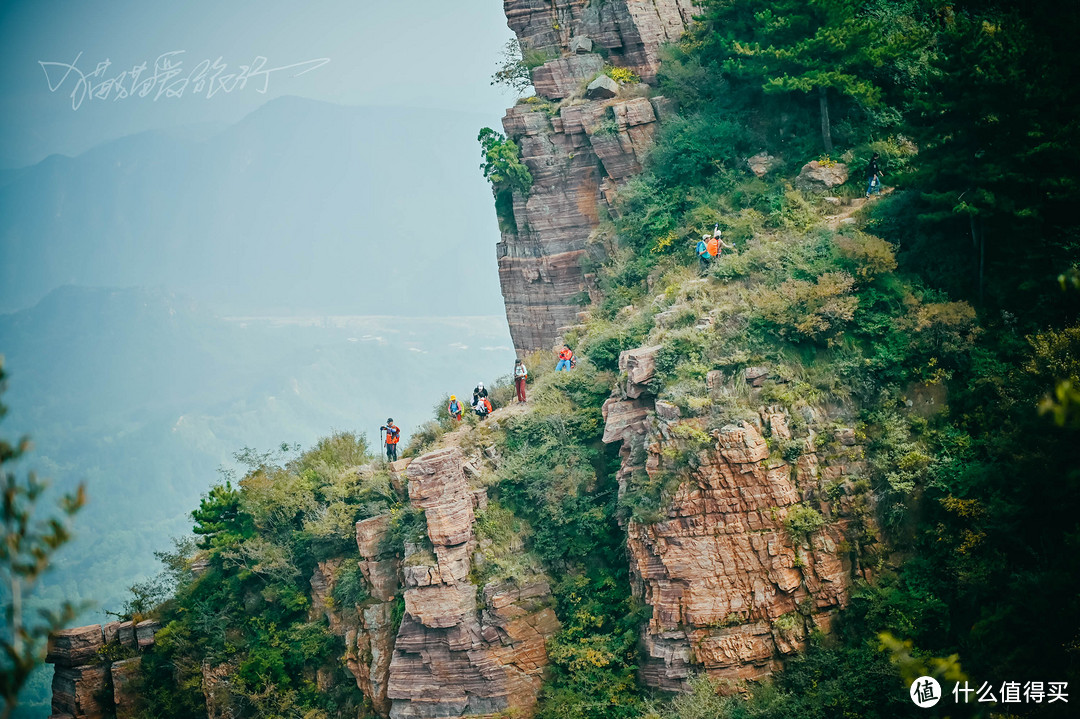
(520, 375)
(703, 254)
(566, 359)
(393, 436)
(873, 176)
(710, 248)
(454, 408)
(483, 407)
(478, 392)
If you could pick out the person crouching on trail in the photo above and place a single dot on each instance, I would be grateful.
(483, 408)
(566, 359)
(454, 408)
(478, 392)
(520, 375)
(393, 436)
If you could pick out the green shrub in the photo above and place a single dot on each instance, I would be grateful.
(802, 520)
(502, 164)
(350, 587)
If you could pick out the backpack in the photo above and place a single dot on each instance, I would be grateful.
(573, 361)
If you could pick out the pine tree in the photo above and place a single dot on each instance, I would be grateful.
(816, 48)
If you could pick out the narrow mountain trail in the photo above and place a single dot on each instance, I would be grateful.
(849, 211)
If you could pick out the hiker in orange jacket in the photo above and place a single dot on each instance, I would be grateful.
(393, 436)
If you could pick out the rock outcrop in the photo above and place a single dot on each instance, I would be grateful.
(457, 654)
(818, 176)
(88, 660)
(734, 587)
(579, 151)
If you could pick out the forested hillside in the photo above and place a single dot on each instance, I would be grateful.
(922, 344)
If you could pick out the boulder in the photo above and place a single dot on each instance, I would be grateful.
(640, 367)
(818, 176)
(602, 88)
(144, 633)
(667, 411)
(762, 163)
(72, 647)
(369, 535)
(756, 376)
(581, 45)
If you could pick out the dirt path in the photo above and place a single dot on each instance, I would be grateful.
(849, 211)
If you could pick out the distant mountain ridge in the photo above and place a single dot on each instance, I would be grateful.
(302, 206)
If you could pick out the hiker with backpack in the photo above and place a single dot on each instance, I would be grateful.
(478, 392)
(483, 408)
(520, 375)
(454, 408)
(873, 176)
(567, 360)
(709, 248)
(393, 436)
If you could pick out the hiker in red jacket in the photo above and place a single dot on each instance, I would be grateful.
(566, 359)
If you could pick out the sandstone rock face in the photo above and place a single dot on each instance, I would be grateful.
(456, 654)
(370, 631)
(75, 691)
(125, 676)
(640, 367)
(73, 647)
(732, 590)
(82, 675)
(630, 30)
(579, 156)
(818, 176)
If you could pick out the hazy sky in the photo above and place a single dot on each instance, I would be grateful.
(436, 54)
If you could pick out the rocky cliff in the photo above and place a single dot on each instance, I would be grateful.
(579, 141)
(457, 649)
(751, 552)
(95, 666)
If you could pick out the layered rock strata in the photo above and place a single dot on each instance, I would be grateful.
(458, 654)
(84, 671)
(578, 151)
(733, 589)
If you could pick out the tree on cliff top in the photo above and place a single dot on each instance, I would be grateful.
(25, 553)
(817, 47)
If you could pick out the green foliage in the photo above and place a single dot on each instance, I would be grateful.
(247, 614)
(350, 587)
(514, 70)
(812, 310)
(802, 520)
(502, 164)
(26, 552)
